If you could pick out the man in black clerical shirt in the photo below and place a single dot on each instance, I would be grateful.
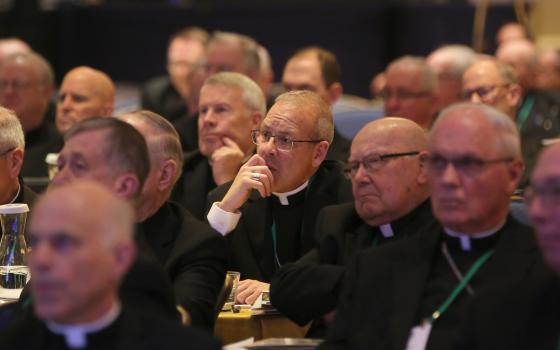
(268, 213)
(231, 105)
(26, 87)
(193, 255)
(402, 295)
(387, 167)
(82, 243)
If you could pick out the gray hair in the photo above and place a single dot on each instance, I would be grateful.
(164, 142)
(249, 48)
(41, 66)
(324, 125)
(507, 137)
(252, 94)
(456, 58)
(11, 132)
(428, 76)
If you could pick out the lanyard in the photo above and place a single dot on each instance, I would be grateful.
(470, 274)
(524, 110)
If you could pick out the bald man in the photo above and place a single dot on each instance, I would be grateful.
(510, 31)
(82, 243)
(522, 56)
(12, 46)
(389, 184)
(85, 93)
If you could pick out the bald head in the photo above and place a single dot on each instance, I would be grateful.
(386, 187)
(510, 31)
(521, 55)
(82, 240)
(12, 46)
(85, 93)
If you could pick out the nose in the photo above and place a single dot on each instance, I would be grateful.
(268, 148)
(475, 98)
(208, 118)
(61, 177)
(449, 175)
(39, 258)
(65, 102)
(536, 208)
(391, 102)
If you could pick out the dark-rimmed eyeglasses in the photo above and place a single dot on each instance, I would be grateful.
(483, 92)
(282, 142)
(373, 162)
(548, 193)
(402, 94)
(467, 165)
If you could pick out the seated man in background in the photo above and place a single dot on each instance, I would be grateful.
(193, 255)
(268, 213)
(85, 93)
(167, 95)
(12, 150)
(389, 177)
(26, 87)
(408, 294)
(82, 243)
(411, 90)
(318, 70)
(231, 105)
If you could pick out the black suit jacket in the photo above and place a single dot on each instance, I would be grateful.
(131, 330)
(158, 95)
(309, 288)
(193, 255)
(542, 123)
(517, 316)
(45, 139)
(385, 287)
(187, 127)
(194, 184)
(248, 252)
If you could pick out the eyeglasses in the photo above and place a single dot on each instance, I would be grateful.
(548, 194)
(284, 143)
(482, 91)
(16, 84)
(402, 94)
(373, 162)
(468, 166)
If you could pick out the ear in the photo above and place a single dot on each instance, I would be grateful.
(319, 153)
(335, 91)
(108, 109)
(124, 254)
(515, 170)
(515, 94)
(15, 161)
(422, 178)
(256, 119)
(127, 186)
(167, 175)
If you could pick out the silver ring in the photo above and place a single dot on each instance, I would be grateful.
(256, 176)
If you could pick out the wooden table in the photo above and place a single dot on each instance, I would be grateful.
(232, 327)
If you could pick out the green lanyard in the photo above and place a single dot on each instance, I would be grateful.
(470, 274)
(525, 110)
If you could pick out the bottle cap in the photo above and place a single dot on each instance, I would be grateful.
(15, 208)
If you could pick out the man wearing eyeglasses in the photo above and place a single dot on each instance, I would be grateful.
(537, 115)
(231, 105)
(410, 90)
(387, 168)
(414, 293)
(268, 213)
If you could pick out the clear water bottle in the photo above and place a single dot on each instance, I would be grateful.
(14, 272)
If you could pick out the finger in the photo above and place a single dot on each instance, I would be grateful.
(253, 297)
(230, 143)
(255, 160)
(242, 296)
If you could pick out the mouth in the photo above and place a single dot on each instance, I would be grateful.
(450, 203)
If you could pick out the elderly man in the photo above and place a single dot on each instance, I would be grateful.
(411, 90)
(26, 87)
(449, 62)
(193, 255)
(12, 143)
(548, 70)
(511, 31)
(167, 95)
(81, 237)
(11, 46)
(268, 213)
(407, 294)
(317, 70)
(522, 56)
(231, 105)
(390, 186)
(226, 52)
(85, 93)
(537, 114)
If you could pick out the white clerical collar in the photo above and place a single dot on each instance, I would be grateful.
(386, 230)
(17, 194)
(283, 197)
(76, 335)
(465, 239)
